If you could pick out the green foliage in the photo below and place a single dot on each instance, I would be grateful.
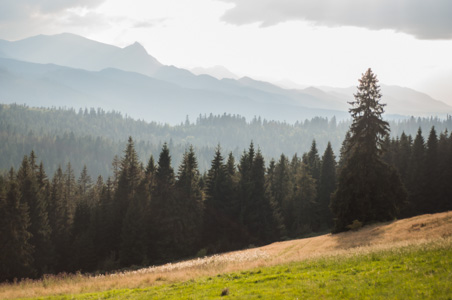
(421, 272)
(147, 215)
(369, 189)
(326, 186)
(16, 252)
(60, 135)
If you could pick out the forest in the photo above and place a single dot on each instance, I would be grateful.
(149, 214)
(93, 137)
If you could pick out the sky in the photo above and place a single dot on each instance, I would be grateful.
(305, 42)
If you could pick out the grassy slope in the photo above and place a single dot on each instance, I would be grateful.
(413, 272)
(409, 258)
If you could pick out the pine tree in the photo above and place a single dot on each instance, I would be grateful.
(34, 197)
(162, 209)
(83, 250)
(16, 252)
(304, 202)
(430, 193)
(215, 226)
(282, 189)
(260, 217)
(189, 204)
(256, 214)
(368, 189)
(105, 235)
(130, 176)
(313, 161)
(133, 248)
(61, 217)
(344, 153)
(280, 231)
(402, 157)
(415, 182)
(326, 186)
(445, 171)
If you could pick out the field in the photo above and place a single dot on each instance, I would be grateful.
(409, 258)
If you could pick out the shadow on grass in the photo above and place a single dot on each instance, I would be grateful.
(362, 237)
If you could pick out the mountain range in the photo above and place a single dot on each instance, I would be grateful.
(67, 70)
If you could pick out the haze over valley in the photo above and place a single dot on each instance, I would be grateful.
(67, 70)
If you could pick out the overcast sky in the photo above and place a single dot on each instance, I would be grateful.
(309, 42)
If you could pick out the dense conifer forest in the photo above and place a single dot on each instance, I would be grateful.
(93, 137)
(146, 212)
(151, 213)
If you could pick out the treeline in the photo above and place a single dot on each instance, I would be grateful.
(425, 168)
(149, 213)
(93, 137)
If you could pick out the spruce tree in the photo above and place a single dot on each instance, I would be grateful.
(129, 178)
(282, 189)
(163, 216)
(368, 189)
(430, 193)
(189, 205)
(83, 250)
(445, 171)
(326, 186)
(215, 225)
(60, 219)
(34, 197)
(280, 231)
(415, 181)
(304, 202)
(402, 157)
(313, 161)
(16, 252)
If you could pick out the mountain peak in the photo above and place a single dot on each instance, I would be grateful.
(136, 47)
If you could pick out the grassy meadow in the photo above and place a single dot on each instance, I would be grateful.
(405, 259)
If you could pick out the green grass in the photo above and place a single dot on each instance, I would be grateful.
(416, 272)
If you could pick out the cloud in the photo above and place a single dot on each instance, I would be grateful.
(424, 19)
(148, 23)
(20, 18)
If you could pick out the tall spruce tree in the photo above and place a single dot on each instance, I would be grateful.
(326, 186)
(368, 189)
(282, 189)
(304, 202)
(190, 205)
(129, 178)
(60, 219)
(33, 196)
(83, 250)
(431, 191)
(163, 216)
(215, 228)
(445, 171)
(415, 181)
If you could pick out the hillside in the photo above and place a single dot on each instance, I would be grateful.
(101, 135)
(413, 232)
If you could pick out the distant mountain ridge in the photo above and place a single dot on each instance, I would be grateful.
(70, 70)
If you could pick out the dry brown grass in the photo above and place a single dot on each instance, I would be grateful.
(416, 230)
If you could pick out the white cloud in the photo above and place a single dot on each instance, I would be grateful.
(423, 19)
(22, 18)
